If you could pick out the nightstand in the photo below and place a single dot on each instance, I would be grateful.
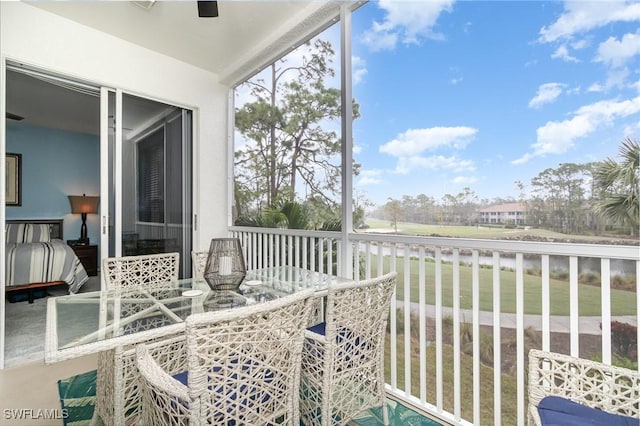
(88, 255)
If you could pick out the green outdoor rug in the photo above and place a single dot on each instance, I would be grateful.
(77, 397)
(398, 415)
(78, 393)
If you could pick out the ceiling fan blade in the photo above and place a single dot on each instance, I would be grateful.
(14, 116)
(207, 9)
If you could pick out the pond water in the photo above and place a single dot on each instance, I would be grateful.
(556, 263)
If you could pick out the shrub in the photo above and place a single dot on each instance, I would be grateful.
(624, 338)
(536, 272)
(624, 282)
(561, 275)
(618, 361)
(589, 278)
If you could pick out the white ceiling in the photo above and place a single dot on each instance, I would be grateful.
(172, 28)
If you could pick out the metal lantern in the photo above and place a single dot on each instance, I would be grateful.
(225, 267)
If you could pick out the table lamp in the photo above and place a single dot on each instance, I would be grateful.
(81, 204)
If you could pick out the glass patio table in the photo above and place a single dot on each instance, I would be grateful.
(86, 323)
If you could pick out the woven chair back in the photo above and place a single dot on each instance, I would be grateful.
(343, 366)
(142, 270)
(359, 311)
(255, 356)
(243, 367)
(605, 387)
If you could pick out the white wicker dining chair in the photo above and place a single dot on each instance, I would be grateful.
(343, 358)
(117, 395)
(607, 388)
(199, 261)
(147, 269)
(243, 368)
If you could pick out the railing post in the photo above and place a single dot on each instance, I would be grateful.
(347, 139)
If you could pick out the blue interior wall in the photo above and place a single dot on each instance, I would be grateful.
(55, 164)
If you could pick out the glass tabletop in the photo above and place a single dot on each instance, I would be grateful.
(90, 322)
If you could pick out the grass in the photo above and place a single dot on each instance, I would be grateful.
(622, 302)
(507, 382)
(481, 231)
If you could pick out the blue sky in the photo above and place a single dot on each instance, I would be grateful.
(482, 94)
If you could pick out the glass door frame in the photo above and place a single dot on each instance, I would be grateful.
(111, 173)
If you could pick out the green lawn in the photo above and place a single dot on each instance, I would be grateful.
(408, 228)
(622, 302)
(508, 383)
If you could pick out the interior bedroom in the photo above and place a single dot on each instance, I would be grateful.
(53, 142)
(53, 206)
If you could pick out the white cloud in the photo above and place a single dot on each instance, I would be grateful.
(379, 40)
(580, 44)
(596, 87)
(356, 149)
(615, 53)
(547, 93)
(525, 158)
(581, 16)
(563, 53)
(415, 141)
(405, 22)
(615, 78)
(557, 137)
(359, 69)
(435, 162)
(632, 129)
(409, 146)
(464, 180)
(457, 75)
(369, 177)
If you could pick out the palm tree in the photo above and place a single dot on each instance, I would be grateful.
(617, 184)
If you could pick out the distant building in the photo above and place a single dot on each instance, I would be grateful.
(510, 213)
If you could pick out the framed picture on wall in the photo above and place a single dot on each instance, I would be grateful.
(13, 179)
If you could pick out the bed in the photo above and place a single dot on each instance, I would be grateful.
(36, 256)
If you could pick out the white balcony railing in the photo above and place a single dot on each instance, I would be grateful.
(458, 300)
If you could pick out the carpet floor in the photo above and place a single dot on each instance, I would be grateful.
(25, 325)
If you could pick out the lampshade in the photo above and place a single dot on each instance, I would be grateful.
(83, 204)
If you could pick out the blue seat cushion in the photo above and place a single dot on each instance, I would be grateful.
(558, 411)
(355, 347)
(182, 378)
(231, 392)
(319, 328)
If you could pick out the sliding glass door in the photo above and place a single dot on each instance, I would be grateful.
(148, 147)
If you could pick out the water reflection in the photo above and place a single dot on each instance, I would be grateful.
(556, 263)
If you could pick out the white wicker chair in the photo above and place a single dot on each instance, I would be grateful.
(343, 358)
(117, 395)
(199, 260)
(608, 388)
(243, 368)
(148, 269)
